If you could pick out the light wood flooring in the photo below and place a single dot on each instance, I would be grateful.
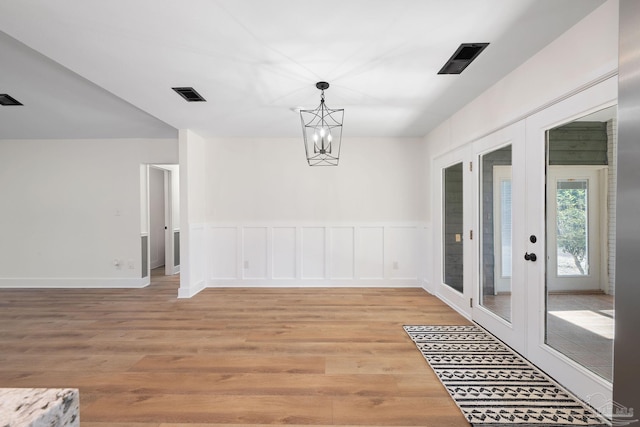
(228, 357)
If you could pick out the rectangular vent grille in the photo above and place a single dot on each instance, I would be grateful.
(462, 57)
(8, 100)
(189, 94)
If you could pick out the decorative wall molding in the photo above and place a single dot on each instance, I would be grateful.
(311, 254)
(285, 255)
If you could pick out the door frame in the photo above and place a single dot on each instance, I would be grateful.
(171, 224)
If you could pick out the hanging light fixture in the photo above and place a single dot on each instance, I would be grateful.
(322, 130)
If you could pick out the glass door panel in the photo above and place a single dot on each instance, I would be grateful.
(453, 221)
(579, 291)
(496, 232)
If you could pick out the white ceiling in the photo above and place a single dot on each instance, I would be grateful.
(97, 68)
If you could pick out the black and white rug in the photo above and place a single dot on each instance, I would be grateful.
(495, 386)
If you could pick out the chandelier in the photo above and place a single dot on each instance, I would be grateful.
(322, 131)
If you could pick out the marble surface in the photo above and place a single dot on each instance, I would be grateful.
(39, 407)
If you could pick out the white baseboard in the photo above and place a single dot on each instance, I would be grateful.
(184, 292)
(312, 283)
(73, 282)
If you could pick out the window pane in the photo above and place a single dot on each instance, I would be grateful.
(495, 239)
(572, 221)
(453, 227)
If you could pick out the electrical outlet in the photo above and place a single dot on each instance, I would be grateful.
(246, 265)
(117, 264)
(395, 265)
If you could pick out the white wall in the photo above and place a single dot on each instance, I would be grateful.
(193, 194)
(274, 220)
(175, 195)
(270, 180)
(70, 208)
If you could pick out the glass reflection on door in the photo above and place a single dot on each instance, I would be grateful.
(572, 232)
(453, 227)
(495, 238)
(581, 240)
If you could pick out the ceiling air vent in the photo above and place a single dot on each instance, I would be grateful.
(189, 94)
(465, 54)
(8, 100)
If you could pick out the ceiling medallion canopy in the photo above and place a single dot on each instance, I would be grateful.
(322, 132)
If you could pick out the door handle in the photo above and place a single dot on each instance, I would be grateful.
(530, 256)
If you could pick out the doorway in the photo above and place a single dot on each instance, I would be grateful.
(157, 218)
(163, 211)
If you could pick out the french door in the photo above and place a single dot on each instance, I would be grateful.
(453, 244)
(499, 303)
(505, 205)
(569, 206)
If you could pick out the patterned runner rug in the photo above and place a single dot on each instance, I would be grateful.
(495, 386)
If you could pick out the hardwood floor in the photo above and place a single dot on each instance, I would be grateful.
(228, 357)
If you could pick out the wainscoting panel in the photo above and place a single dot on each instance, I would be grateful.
(371, 251)
(254, 249)
(313, 252)
(284, 252)
(315, 255)
(342, 260)
(402, 252)
(224, 252)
